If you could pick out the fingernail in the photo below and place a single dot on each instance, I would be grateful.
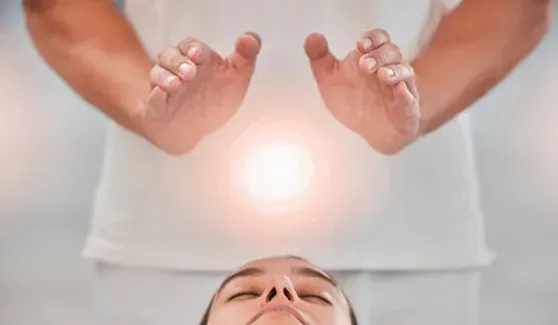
(390, 73)
(381, 38)
(366, 44)
(253, 36)
(185, 68)
(192, 52)
(171, 80)
(371, 63)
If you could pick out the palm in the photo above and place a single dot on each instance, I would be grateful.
(207, 102)
(359, 102)
(381, 107)
(178, 117)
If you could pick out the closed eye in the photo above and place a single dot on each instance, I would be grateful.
(243, 296)
(314, 298)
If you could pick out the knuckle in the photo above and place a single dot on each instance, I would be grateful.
(169, 49)
(384, 56)
(154, 73)
(381, 36)
(402, 71)
(380, 32)
(392, 48)
(398, 68)
(189, 40)
(187, 43)
(391, 53)
(165, 54)
(161, 57)
(377, 36)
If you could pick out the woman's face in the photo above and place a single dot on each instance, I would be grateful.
(279, 291)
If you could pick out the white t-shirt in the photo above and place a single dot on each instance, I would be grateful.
(215, 208)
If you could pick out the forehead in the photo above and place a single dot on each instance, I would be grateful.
(280, 267)
(285, 266)
(279, 264)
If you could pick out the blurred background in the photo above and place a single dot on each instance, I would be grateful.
(51, 147)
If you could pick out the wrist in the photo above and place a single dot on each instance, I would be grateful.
(136, 118)
(134, 98)
(425, 103)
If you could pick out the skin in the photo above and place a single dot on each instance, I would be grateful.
(391, 103)
(372, 91)
(94, 49)
(194, 91)
(250, 295)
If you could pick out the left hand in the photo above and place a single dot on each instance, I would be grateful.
(372, 91)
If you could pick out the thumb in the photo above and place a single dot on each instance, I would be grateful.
(156, 104)
(322, 61)
(245, 52)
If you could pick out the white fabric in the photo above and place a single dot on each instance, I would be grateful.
(413, 298)
(416, 210)
(146, 297)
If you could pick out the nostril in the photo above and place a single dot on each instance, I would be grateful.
(288, 294)
(272, 293)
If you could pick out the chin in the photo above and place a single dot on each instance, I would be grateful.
(277, 319)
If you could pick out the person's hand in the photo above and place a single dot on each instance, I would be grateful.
(372, 91)
(194, 91)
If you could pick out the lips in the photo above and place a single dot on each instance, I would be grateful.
(279, 309)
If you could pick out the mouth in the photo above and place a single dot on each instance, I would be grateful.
(285, 309)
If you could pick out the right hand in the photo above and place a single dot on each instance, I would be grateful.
(194, 91)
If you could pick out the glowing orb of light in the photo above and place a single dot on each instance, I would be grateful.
(277, 172)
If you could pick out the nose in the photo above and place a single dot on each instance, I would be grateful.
(281, 291)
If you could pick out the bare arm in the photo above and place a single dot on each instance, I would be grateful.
(475, 47)
(93, 48)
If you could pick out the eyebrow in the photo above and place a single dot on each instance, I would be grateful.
(241, 274)
(310, 272)
(306, 271)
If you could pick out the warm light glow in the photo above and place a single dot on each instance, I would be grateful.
(273, 170)
(277, 172)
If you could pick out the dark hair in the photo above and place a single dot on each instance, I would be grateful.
(352, 315)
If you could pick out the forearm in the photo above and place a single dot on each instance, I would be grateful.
(93, 48)
(474, 48)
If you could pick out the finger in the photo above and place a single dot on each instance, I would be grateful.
(163, 78)
(387, 54)
(406, 110)
(322, 61)
(246, 50)
(392, 74)
(174, 61)
(195, 50)
(373, 39)
(157, 103)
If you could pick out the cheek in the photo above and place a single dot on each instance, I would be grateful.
(235, 313)
(325, 315)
